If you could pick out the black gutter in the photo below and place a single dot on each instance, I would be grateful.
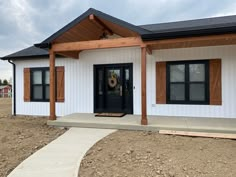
(14, 87)
(24, 57)
(46, 56)
(188, 33)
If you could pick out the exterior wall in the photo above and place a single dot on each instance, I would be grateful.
(42, 108)
(107, 56)
(228, 56)
(79, 81)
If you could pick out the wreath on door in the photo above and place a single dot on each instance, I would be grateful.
(112, 81)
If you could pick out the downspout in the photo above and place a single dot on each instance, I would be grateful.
(14, 86)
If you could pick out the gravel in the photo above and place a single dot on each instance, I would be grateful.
(21, 136)
(149, 154)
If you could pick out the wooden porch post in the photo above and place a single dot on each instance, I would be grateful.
(144, 120)
(52, 86)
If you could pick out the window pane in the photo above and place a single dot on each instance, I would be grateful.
(37, 92)
(177, 92)
(177, 73)
(47, 81)
(47, 92)
(197, 92)
(37, 77)
(197, 72)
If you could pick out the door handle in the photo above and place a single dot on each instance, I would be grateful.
(121, 90)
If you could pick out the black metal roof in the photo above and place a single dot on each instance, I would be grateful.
(199, 27)
(30, 52)
(192, 24)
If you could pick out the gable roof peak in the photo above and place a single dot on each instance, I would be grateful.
(137, 29)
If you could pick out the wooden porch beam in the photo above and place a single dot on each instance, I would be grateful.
(228, 37)
(97, 44)
(144, 120)
(100, 24)
(52, 86)
(148, 48)
(74, 55)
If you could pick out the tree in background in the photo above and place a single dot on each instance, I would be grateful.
(0, 82)
(5, 82)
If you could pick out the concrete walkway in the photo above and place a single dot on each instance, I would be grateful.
(62, 157)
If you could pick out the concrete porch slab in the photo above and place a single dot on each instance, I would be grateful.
(155, 123)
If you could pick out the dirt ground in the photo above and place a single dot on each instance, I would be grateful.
(20, 137)
(146, 154)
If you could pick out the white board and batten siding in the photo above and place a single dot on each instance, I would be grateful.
(226, 110)
(42, 108)
(79, 81)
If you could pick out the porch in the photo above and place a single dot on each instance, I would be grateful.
(156, 123)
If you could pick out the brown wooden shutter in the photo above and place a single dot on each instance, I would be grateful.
(26, 84)
(161, 82)
(60, 84)
(215, 82)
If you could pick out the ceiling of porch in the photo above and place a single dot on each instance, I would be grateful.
(94, 28)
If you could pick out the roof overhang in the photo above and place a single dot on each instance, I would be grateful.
(92, 25)
(180, 33)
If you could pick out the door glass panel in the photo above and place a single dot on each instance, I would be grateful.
(197, 72)
(100, 82)
(177, 73)
(113, 82)
(126, 74)
(127, 82)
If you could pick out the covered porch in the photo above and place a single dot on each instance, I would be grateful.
(95, 31)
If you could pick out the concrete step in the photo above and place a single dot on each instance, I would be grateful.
(156, 123)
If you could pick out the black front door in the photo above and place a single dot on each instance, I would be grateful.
(113, 88)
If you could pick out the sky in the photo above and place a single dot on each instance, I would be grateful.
(26, 22)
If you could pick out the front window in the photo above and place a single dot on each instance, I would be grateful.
(40, 84)
(187, 82)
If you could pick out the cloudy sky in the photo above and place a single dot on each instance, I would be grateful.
(26, 22)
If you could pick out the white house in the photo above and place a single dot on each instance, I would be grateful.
(98, 63)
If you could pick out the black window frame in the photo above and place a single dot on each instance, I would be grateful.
(44, 85)
(187, 82)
